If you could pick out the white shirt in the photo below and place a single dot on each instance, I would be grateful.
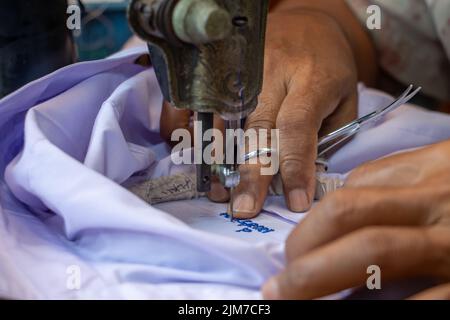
(68, 229)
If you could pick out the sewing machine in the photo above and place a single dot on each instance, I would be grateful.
(208, 57)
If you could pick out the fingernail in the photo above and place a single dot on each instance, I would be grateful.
(244, 203)
(298, 200)
(218, 193)
(270, 290)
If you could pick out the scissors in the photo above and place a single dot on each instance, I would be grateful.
(336, 138)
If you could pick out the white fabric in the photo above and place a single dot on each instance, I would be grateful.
(89, 128)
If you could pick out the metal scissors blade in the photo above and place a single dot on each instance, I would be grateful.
(333, 139)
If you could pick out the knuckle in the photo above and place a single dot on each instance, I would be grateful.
(294, 145)
(296, 139)
(264, 115)
(260, 123)
(296, 118)
(336, 207)
(355, 175)
(267, 102)
(294, 169)
(289, 125)
(297, 172)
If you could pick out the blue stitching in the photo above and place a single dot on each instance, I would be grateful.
(249, 225)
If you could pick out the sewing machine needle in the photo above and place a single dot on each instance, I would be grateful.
(231, 208)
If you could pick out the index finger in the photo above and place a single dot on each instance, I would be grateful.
(347, 210)
(345, 263)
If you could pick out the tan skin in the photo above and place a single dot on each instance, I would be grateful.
(310, 82)
(394, 213)
(316, 52)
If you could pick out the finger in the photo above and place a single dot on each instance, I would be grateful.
(252, 190)
(347, 210)
(346, 112)
(218, 192)
(299, 120)
(251, 193)
(398, 252)
(405, 169)
(441, 292)
(397, 170)
(173, 119)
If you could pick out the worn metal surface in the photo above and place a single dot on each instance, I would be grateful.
(221, 76)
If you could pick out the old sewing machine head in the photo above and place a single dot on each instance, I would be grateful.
(208, 57)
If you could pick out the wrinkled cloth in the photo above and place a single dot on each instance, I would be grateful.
(413, 43)
(69, 144)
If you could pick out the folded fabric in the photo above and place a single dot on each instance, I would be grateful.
(91, 128)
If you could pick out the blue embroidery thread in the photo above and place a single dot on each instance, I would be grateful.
(248, 225)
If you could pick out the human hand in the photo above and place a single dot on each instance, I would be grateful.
(393, 213)
(310, 88)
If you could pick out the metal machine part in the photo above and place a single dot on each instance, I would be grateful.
(204, 171)
(208, 56)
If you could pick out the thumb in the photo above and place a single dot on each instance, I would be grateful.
(300, 118)
(251, 193)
